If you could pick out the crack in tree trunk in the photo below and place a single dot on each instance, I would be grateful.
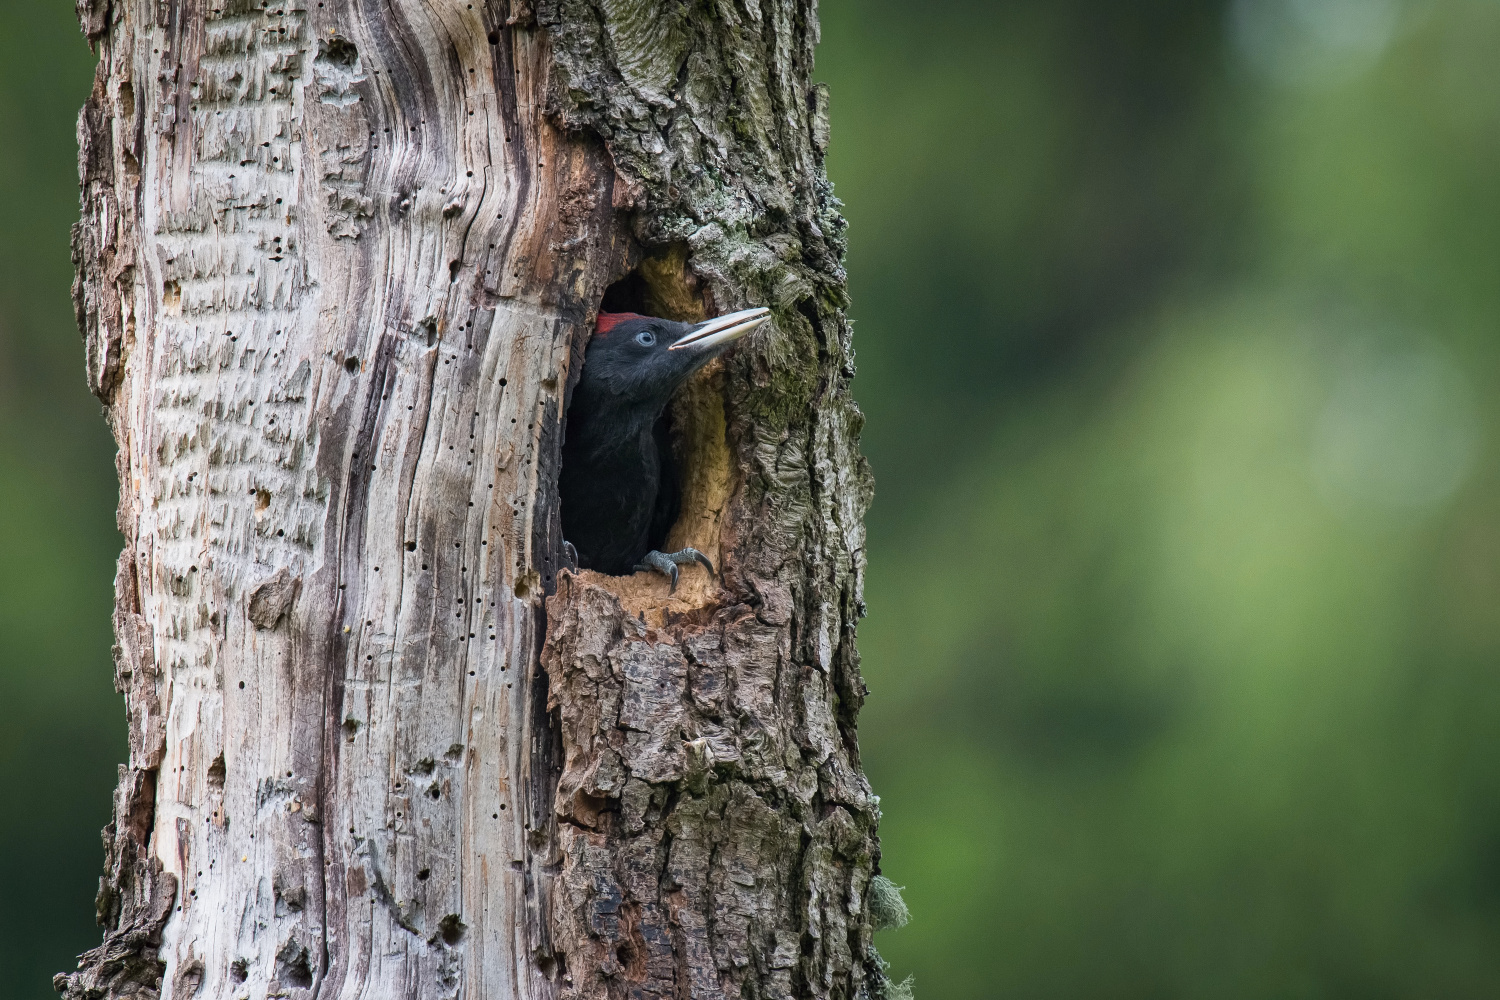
(337, 267)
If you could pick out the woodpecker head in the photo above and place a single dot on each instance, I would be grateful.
(643, 360)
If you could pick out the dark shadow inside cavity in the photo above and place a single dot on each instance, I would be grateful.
(628, 295)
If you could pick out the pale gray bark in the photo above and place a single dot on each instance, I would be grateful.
(338, 262)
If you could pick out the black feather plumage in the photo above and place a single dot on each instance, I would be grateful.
(619, 484)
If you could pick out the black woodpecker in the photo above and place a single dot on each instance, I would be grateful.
(619, 487)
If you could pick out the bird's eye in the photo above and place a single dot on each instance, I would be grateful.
(645, 338)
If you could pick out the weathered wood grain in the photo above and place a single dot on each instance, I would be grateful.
(337, 264)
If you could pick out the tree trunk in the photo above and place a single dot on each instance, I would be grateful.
(338, 263)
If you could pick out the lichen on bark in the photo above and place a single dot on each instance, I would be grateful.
(714, 808)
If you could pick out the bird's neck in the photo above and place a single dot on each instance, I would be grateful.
(601, 422)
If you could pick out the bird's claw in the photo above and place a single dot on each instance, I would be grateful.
(571, 555)
(666, 563)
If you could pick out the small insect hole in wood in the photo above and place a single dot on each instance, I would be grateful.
(451, 929)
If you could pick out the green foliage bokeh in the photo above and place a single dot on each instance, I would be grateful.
(1177, 336)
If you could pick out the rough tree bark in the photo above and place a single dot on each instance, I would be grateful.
(337, 265)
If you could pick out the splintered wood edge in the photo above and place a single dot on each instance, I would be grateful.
(645, 596)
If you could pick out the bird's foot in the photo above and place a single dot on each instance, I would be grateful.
(666, 563)
(571, 555)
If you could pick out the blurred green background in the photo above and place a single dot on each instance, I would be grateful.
(1177, 329)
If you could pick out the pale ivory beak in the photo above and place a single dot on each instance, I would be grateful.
(724, 329)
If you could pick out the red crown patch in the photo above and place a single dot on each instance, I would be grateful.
(608, 321)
